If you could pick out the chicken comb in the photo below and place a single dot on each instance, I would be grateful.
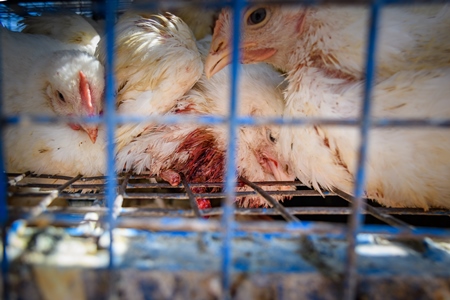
(85, 93)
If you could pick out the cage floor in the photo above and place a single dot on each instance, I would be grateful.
(144, 196)
(187, 266)
(165, 248)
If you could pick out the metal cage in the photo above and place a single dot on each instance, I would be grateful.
(133, 237)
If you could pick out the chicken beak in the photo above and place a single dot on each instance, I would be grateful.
(216, 61)
(92, 132)
(220, 56)
(280, 173)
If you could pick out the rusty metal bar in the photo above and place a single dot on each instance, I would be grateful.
(293, 229)
(18, 178)
(192, 199)
(44, 203)
(209, 184)
(285, 213)
(118, 201)
(174, 212)
(375, 212)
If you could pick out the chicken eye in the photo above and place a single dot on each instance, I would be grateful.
(257, 16)
(271, 137)
(61, 97)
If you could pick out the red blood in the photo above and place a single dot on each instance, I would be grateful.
(184, 110)
(203, 203)
(205, 163)
(206, 160)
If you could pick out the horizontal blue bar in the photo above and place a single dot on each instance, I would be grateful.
(179, 224)
(340, 2)
(243, 120)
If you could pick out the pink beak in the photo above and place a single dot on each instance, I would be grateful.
(273, 166)
(92, 133)
(86, 100)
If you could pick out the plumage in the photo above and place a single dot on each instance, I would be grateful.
(199, 151)
(43, 76)
(406, 167)
(199, 18)
(334, 38)
(69, 28)
(157, 61)
(53, 149)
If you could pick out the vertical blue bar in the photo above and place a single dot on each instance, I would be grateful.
(3, 193)
(110, 121)
(230, 176)
(357, 218)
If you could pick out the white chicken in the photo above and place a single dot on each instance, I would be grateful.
(199, 151)
(199, 18)
(334, 38)
(406, 167)
(157, 61)
(42, 77)
(68, 28)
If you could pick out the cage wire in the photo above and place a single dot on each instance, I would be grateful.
(134, 236)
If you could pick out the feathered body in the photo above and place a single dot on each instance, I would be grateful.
(334, 38)
(69, 28)
(199, 151)
(53, 149)
(47, 66)
(157, 61)
(199, 18)
(43, 76)
(405, 41)
(406, 167)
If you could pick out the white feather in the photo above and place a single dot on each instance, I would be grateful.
(69, 28)
(53, 149)
(38, 71)
(157, 61)
(163, 147)
(405, 167)
(405, 40)
(322, 49)
(199, 18)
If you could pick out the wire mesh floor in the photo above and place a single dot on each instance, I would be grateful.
(145, 196)
(164, 246)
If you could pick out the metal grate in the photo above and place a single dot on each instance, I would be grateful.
(143, 196)
(157, 213)
(148, 218)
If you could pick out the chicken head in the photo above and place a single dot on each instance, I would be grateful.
(74, 87)
(262, 27)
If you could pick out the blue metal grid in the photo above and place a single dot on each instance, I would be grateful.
(227, 225)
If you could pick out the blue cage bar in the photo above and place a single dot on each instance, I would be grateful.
(143, 247)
